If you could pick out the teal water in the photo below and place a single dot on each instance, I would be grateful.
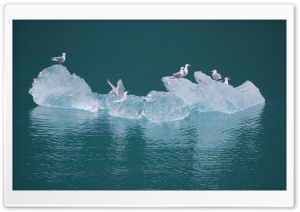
(70, 149)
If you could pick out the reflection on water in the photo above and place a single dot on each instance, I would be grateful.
(56, 136)
(76, 149)
(206, 147)
(60, 122)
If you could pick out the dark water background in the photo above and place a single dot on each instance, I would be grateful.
(66, 149)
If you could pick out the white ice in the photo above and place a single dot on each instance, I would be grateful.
(210, 95)
(56, 87)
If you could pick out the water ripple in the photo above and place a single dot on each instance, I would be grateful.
(83, 150)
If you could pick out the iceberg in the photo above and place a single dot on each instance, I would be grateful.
(131, 108)
(164, 106)
(156, 107)
(56, 87)
(210, 95)
(184, 89)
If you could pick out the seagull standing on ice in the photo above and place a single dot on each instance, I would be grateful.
(179, 74)
(226, 80)
(59, 59)
(121, 93)
(216, 76)
(185, 70)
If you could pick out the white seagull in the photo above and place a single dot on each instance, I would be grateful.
(114, 89)
(121, 93)
(179, 74)
(226, 80)
(185, 70)
(216, 76)
(59, 59)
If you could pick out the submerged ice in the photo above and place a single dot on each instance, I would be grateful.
(56, 87)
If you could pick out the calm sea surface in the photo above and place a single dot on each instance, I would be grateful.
(70, 149)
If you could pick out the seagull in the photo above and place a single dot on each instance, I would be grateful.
(121, 95)
(59, 59)
(114, 89)
(178, 74)
(185, 70)
(226, 80)
(216, 76)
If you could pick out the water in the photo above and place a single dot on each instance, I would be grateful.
(70, 149)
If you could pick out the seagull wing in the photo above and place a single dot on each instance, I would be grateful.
(177, 75)
(217, 76)
(120, 90)
(59, 59)
(113, 87)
